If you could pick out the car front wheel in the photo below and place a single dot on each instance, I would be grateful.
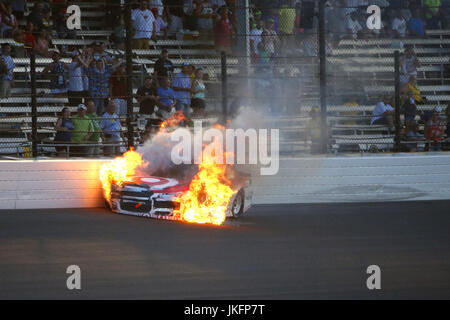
(237, 209)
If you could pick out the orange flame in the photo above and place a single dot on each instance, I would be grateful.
(118, 170)
(174, 120)
(209, 195)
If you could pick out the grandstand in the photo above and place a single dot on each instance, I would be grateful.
(356, 67)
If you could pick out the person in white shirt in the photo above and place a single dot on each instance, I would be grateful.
(160, 25)
(383, 114)
(157, 4)
(353, 26)
(255, 36)
(408, 64)
(399, 25)
(144, 26)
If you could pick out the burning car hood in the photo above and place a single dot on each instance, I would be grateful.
(159, 184)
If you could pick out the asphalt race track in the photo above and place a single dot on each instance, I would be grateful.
(276, 252)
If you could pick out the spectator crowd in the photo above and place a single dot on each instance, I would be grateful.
(96, 82)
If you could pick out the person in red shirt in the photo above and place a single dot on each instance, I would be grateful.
(118, 90)
(434, 130)
(223, 31)
(30, 39)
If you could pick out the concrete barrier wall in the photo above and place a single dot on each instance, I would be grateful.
(50, 184)
(75, 184)
(397, 177)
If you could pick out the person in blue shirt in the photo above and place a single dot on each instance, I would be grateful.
(415, 25)
(64, 128)
(167, 100)
(111, 130)
(8, 78)
(182, 86)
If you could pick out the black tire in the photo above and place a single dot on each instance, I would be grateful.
(237, 208)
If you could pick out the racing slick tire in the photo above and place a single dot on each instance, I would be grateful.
(237, 208)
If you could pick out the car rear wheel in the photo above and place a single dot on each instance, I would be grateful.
(237, 209)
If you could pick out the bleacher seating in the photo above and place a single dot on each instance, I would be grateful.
(368, 62)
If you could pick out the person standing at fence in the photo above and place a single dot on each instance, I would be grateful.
(9, 22)
(76, 91)
(223, 31)
(408, 65)
(118, 90)
(99, 75)
(111, 130)
(204, 13)
(30, 39)
(64, 128)
(434, 130)
(83, 130)
(94, 150)
(144, 26)
(287, 16)
(199, 90)
(8, 77)
(57, 74)
(167, 99)
(270, 38)
(255, 39)
(163, 66)
(147, 97)
(42, 44)
(182, 86)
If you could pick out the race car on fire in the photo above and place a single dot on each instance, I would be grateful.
(166, 198)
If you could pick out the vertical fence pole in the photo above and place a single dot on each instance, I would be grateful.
(224, 88)
(129, 67)
(323, 78)
(33, 104)
(397, 101)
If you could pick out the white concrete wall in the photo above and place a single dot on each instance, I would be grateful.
(75, 184)
(49, 184)
(398, 177)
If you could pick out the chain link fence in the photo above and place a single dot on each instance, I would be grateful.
(313, 69)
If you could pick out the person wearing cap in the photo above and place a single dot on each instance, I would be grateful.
(270, 37)
(111, 130)
(256, 19)
(163, 66)
(256, 37)
(57, 73)
(434, 130)
(83, 130)
(181, 84)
